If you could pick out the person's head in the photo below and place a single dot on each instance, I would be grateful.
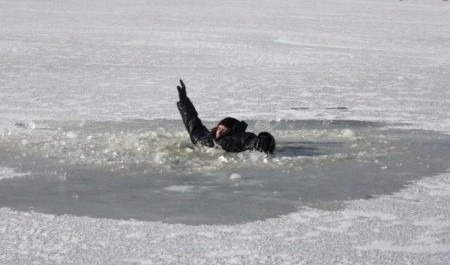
(224, 126)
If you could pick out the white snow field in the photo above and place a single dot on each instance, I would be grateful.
(119, 61)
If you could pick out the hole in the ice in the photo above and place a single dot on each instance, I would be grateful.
(148, 170)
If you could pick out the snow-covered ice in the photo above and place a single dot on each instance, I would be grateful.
(105, 62)
(6, 173)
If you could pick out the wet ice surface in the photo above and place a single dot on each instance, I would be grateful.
(148, 170)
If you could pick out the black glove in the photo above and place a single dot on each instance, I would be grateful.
(265, 143)
(182, 90)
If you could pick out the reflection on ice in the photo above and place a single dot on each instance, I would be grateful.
(149, 170)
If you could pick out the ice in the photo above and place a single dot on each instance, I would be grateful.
(415, 248)
(73, 135)
(149, 170)
(347, 133)
(117, 61)
(235, 176)
(180, 188)
(6, 173)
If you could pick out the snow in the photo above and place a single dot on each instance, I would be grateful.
(392, 229)
(6, 173)
(378, 60)
(180, 188)
(235, 176)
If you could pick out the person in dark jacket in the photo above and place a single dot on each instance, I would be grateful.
(229, 134)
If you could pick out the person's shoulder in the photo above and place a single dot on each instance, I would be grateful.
(240, 126)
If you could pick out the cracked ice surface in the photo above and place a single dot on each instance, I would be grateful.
(376, 60)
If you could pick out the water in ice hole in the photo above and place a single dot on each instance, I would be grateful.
(148, 170)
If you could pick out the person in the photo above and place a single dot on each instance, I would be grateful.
(230, 134)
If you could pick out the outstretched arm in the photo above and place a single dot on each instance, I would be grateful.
(197, 131)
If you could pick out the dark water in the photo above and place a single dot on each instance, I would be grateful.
(148, 170)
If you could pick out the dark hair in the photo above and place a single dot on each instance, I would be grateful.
(228, 122)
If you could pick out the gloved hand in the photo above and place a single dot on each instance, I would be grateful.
(182, 90)
(265, 143)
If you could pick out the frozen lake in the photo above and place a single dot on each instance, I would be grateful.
(356, 92)
(148, 170)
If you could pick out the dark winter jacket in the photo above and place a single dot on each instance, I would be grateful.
(236, 140)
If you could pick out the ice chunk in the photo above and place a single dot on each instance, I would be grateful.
(235, 176)
(6, 173)
(347, 133)
(180, 188)
(71, 135)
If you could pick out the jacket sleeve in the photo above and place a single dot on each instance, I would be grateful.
(243, 141)
(197, 131)
(249, 141)
(239, 142)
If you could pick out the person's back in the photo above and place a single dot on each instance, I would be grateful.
(230, 134)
